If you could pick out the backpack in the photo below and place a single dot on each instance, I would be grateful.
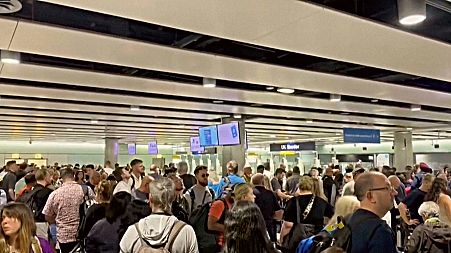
(164, 248)
(338, 236)
(206, 239)
(429, 244)
(87, 202)
(30, 200)
(193, 196)
(227, 188)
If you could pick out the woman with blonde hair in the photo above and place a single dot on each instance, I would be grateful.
(243, 192)
(345, 206)
(318, 190)
(18, 231)
(96, 212)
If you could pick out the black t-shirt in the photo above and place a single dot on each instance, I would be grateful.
(371, 234)
(320, 209)
(266, 200)
(94, 213)
(9, 182)
(188, 181)
(413, 202)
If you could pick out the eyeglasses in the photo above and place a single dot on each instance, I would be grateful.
(386, 188)
(205, 175)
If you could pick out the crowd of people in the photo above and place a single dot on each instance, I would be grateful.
(121, 209)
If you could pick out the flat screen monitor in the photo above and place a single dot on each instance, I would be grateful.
(208, 136)
(153, 148)
(131, 148)
(195, 145)
(229, 134)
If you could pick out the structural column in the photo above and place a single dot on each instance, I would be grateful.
(111, 150)
(236, 152)
(403, 150)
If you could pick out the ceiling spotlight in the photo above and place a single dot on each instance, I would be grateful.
(309, 121)
(237, 116)
(411, 12)
(270, 88)
(285, 90)
(94, 121)
(415, 108)
(209, 82)
(409, 128)
(374, 100)
(134, 108)
(218, 101)
(335, 98)
(9, 57)
(69, 129)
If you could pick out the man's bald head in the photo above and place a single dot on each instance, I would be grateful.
(258, 179)
(394, 181)
(365, 182)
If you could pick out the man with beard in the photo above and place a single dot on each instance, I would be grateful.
(199, 194)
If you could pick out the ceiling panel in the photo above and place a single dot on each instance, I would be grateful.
(7, 28)
(15, 90)
(108, 81)
(305, 29)
(106, 49)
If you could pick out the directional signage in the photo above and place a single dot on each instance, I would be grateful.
(298, 146)
(359, 135)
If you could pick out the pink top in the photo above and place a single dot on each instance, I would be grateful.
(64, 204)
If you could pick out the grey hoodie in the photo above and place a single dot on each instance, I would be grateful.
(155, 229)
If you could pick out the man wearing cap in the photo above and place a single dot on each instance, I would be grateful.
(348, 188)
(424, 169)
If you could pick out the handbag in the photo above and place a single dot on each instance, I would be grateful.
(299, 231)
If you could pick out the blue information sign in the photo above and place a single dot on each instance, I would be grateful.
(359, 135)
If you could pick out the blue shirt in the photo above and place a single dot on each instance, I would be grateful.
(234, 179)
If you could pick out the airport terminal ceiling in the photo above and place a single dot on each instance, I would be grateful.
(95, 69)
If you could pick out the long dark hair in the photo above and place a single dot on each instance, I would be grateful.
(117, 206)
(438, 186)
(135, 211)
(245, 230)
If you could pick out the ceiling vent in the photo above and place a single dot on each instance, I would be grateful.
(10, 6)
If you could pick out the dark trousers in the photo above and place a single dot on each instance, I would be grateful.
(67, 247)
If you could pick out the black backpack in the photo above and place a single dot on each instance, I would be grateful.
(206, 239)
(30, 199)
(87, 202)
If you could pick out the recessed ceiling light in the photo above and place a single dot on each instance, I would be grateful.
(273, 136)
(134, 108)
(94, 121)
(237, 116)
(285, 90)
(309, 121)
(411, 12)
(218, 101)
(409, 128)
(415, 108)
(9, 57)
(69, 129)
(270, 88)
(335, 98)
(209, 82)
(374, 100)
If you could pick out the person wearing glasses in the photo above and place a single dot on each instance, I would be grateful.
(199, 194)
(370, 233)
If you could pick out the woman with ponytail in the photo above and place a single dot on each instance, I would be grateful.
(96, 212)
(18, 231)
